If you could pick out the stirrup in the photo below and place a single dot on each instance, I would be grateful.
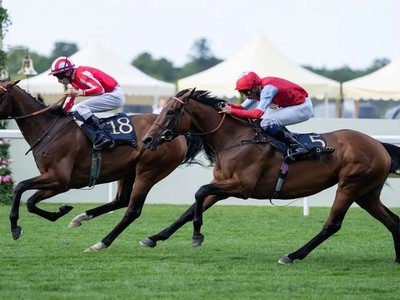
(103, 143)
(294, 154)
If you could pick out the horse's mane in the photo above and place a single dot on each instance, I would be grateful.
(39, 100)
(206, 98)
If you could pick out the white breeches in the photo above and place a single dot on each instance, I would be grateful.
(289, 115)
(100, 103)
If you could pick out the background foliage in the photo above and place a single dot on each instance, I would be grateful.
(6, 181)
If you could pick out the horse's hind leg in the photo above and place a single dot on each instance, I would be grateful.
(187, 216)
(121, 200)
(389, 219)
(331, 226)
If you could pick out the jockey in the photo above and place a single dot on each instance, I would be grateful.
(104, 92)
(280, 103)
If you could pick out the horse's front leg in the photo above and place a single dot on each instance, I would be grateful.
(222, 190)
(136, 198)
(14, 213)
(187, 216)
(48, 187)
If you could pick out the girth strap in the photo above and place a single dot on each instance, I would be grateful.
(281, 179)
(95, 168)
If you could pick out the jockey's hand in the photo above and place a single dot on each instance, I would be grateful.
(73, 92)
(226, 110)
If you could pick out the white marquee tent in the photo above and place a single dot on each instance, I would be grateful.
(135, 83)
(383, 84)
(261, 57)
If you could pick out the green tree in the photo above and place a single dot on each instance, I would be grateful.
(162, 69)
(15, 57)
(4, 23)
(345, 73)
(41, 63)
(63, 49)
(201, 58)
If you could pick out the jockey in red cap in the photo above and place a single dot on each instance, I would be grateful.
(279, 103)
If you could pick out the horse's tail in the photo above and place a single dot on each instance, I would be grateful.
(195, 145)
(394, 153)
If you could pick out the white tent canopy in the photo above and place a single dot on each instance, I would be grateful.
(383, 84)
(133, 81)
(261, 57)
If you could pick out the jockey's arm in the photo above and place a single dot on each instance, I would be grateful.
(266, 96)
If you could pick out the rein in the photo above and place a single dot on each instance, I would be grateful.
(7, 91)
(39, 111)
(42, 137)
(211, 131)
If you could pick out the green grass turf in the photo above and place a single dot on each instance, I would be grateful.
(238, 259)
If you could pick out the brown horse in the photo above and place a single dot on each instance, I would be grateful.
(359, 165)
(63, 156)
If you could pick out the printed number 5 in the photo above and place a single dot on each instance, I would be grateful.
(315, 139)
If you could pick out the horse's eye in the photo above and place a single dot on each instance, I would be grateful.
(170, 112)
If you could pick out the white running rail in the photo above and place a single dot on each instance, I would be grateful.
(16, 134)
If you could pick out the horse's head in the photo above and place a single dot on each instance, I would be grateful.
(6, 98)
(169, 123)
(180, 116)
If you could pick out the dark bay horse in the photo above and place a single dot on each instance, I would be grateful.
(63, 156)
(359, 165)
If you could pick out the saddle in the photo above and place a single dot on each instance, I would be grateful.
(119, 128)
(314, 142)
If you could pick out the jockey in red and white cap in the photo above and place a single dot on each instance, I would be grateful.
(104, 92)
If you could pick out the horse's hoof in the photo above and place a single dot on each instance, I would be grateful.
(197, 241)
(89, 250)
(148, 243)
(64, 209)
(16, 232)
(285, 260)
(99, 246)
(74, 224)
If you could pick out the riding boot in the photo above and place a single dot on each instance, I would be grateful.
(92, 129)
(102, 140)
(281, 133)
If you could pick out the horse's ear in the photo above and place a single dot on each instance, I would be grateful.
(15, 82)
(192, 92)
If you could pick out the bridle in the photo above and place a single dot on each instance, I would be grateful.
(168, 133)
